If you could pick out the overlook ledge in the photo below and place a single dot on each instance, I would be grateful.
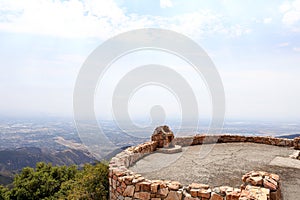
(268, 182)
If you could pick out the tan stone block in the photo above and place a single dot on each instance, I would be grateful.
(119, 190)
(198, 186)
(119, 173)
(244, 198)
(128, 179)
(233, 195)
(163, 192)
(225, 189)
(255, 174)
(257, 193)
(174, 185)
(123, 185)
(275, 177)
(245, 177)
(112, 196)
(137, 180)
(270, 183)
(289, 143)
(137, 176)
(215, 196)
(191, 198)
(142, 195)
(162, 185)
(296, 143)
(174, 195)
(120, 179)
(194, 192)
(243, 186)
(204, 193)
(137, 187)
(144, 186)
(237, 190)
(263, 174)
(256, 180)
(129, 191)
(245, 194)
(154, 187)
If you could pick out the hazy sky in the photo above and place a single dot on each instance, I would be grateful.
(255, 46)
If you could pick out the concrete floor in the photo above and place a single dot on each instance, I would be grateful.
(221, 164)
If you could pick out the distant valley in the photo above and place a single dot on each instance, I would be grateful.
(25, 142)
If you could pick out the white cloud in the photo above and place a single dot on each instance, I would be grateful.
(68, 18)
(267, 20)
(291, 12)
(203, 23)
(166, 3)
(297, 49)
(284, 44)
(285, 6)
(291, 17)
(103, 19)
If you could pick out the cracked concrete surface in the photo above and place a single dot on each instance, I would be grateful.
(223, 165)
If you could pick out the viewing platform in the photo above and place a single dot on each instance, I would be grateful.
(215, 167)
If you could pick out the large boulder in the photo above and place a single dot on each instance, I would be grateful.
(163, 136)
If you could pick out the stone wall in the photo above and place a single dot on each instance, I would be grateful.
(128, 185)
(210, 139)
(297, 143)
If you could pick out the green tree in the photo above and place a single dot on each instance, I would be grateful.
(90, 183)
(4, 193)
(41, 183)
(49, 182)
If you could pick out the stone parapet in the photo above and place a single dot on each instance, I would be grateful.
(211, 139)
(125, 184)
(297, 143)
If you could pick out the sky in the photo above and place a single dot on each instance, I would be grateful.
(255, 46)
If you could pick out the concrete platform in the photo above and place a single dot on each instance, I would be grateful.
(286, 162)
(223, 165)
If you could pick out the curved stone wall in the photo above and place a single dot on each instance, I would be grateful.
(127, 185)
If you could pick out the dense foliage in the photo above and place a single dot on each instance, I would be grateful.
(3, 193)
(59, 182)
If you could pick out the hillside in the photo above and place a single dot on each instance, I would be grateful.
(45, 182)
(292, 136)
(12, 161)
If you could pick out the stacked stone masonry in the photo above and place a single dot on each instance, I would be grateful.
(128, 185)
